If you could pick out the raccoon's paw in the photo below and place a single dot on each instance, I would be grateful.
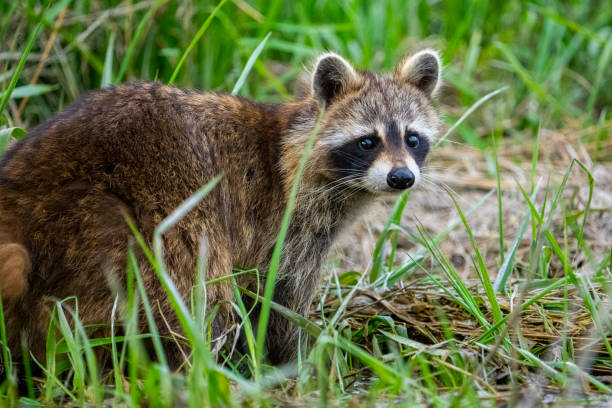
(14, 269)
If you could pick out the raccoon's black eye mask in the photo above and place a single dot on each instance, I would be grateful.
(417, 145)
(356, 156)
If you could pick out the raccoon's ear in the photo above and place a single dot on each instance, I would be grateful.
(331, 75)
(422, 70)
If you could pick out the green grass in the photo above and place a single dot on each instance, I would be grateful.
(512, 69)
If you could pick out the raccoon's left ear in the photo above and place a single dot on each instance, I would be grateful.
(332, 74)
(421, 70)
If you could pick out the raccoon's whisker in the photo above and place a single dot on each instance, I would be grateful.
(348, 184)
(429, 185)
(348, 193)
(427, 178)
(357, 186)
(440, 185)
(426, 168)
(432, 188)
(432, 175)
(346, 179)
(336, 184)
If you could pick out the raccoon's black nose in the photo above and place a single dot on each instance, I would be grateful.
(400, 178)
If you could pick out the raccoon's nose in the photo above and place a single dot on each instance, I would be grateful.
(400, 178)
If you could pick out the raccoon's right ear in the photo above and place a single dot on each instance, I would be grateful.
(331, 75)
(422, 70)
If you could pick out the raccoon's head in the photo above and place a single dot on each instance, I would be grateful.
(376, 129)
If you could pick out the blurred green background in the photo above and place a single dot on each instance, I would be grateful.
(554, 56)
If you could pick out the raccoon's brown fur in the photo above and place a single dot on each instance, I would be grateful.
(140, 149)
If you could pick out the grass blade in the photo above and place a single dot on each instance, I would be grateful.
(17, 73)
(396, 275)
(135, 40)
(194, 41)
(249, 65)
(469, 112)
(107, 71)
(394, 219)
(481, 269)
(508, 259)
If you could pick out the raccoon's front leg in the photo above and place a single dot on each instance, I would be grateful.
(284, 340)
(296, 285)
(218, 297)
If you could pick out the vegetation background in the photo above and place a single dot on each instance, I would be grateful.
(490, 285)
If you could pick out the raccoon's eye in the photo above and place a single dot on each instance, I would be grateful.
(366, 143)
(412, 139)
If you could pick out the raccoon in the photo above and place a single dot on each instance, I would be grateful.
(138, 150)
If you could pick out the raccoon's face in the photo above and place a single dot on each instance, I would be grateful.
(377, 129)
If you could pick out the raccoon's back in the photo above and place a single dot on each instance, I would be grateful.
(138, 141)
(150, 147)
